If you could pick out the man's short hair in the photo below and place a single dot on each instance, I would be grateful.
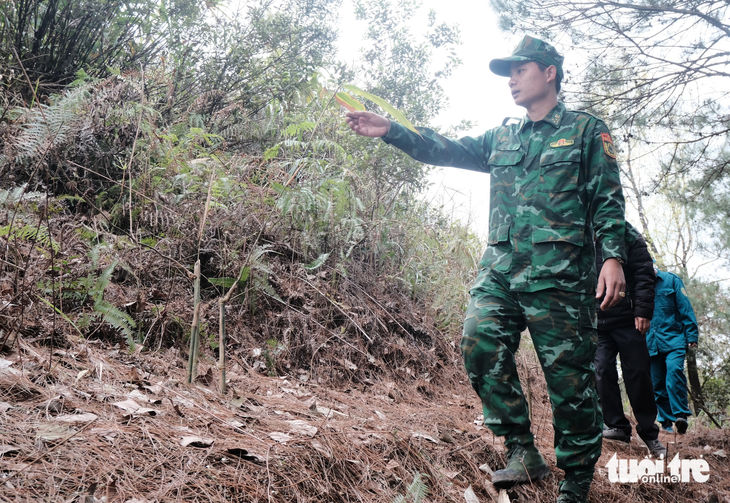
(543, 67)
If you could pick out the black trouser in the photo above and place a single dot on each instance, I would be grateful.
(636, 369)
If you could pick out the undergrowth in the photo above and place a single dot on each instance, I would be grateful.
(327, 251)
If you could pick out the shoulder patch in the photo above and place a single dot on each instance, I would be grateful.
(684, 291)
(608, 145)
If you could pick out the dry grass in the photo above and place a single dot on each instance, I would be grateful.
(364, 443)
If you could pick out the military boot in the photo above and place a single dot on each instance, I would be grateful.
(524, 464)
(571, 492)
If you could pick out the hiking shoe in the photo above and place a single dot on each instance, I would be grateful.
(525, 464)
(616, 434)
(656, 448)
(667, 426)
(681, 425)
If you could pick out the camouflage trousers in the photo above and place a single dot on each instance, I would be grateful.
(562, 326)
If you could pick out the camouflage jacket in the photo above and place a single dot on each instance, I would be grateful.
(554, 183)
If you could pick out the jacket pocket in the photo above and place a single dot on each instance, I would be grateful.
(506, 154)
(560, 169)
(665, 302)
(498, 234)
(555, 252)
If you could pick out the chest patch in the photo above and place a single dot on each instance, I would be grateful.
(562, 142)
(608, 145)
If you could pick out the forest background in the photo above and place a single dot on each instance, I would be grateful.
(176, 131)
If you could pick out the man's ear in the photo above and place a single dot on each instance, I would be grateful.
(551, 73)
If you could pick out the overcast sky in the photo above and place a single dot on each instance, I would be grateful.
(474, 93)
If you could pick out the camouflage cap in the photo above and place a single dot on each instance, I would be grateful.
(529, 49)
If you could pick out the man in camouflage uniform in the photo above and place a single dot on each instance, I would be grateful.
(554, 185)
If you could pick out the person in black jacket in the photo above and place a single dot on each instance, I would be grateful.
(621, 331)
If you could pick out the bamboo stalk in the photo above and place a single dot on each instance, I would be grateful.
(222, 347)
(194, 345)
(222, 331)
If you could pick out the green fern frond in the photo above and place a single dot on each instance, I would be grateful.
(50, 126)
(37, 234)
(95, 254)
(418, 488)
(116, 318)
(102, 281)
(14, 196)
(298, 129)
(416, 492)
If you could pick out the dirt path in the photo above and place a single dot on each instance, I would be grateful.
(107, 425)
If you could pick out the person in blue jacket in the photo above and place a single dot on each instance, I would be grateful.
(673, 330)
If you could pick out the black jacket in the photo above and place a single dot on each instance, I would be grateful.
(640, 282)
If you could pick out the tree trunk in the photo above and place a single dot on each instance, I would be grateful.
(694, 382)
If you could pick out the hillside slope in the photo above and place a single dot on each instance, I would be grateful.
(106, 424)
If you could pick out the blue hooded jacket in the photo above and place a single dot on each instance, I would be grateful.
(674, 324)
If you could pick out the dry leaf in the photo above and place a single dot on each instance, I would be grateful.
(81, 374)
(450, 475)
(195, 441)
(76, 418)
(155, 389)
(5, 367)
(486, 469)
(51, 431)
(469, 496)
(296, 392)
(134, 409)
(302, 427)
(8, 450)
(105, 433)
(319, 447)
(425, 437)
(244, 454)
(280, 437)
(206, 379)
(392, 465)
(328, 413)
(134, 377)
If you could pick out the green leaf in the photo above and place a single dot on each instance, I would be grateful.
(224, 282)
(272, 152)
(245, 273)
(317, 262)
(387, 107)
(349, 102)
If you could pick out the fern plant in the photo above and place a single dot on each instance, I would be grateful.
(416, 492)
(107, 311)
(34, 233)
(92, 287)
(50, 126)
